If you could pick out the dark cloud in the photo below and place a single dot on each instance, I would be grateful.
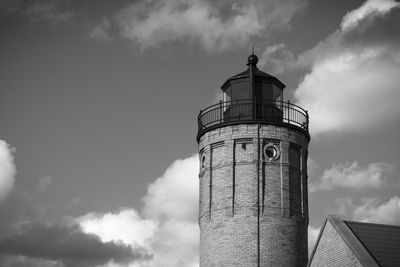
(18, 207)
(66, 244)
(53, 11)
(21, 261)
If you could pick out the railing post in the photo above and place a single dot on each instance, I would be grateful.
(199, 122)
(288, 111)
(220, 111)
(307, 120)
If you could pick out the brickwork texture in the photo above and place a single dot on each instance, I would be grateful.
(253, 209)
(332, 251)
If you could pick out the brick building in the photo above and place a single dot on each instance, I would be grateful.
(253, 208)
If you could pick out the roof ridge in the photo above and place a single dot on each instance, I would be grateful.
(377, 224)
(351, 240)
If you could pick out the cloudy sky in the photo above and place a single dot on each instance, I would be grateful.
(98, 106)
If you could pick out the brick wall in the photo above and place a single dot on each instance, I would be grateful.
(250, 214)
(332, 251)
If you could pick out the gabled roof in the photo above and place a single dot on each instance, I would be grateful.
(373, 244)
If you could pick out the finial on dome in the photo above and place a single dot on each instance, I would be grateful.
(252, 60)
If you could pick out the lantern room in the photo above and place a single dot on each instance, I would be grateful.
(253, 84)
(249, 97)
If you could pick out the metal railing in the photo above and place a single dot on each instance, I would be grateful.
(250, 111)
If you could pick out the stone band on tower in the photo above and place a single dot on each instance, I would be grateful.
(253, 208)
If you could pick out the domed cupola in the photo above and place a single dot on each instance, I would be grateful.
(252, 84)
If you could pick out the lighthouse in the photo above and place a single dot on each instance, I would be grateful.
(253, 149)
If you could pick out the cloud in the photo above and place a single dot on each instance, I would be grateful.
(52, 11)
(17, 208)
(277, 58)
(101, 32)
(215, 25)
(125, 226)
(345, 206)
(353, 80)
(312, 237)
(168, 228)
(369, 8)
(312, 168)
(21, 261)
(174, 195)
(372, 210)
(352, 176)
(67, 244)
(7, 169)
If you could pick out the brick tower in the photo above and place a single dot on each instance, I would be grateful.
(253, 175)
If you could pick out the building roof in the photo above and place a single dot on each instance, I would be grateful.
(257, 74)
(373, 244)
(381, 241)
(252, 62)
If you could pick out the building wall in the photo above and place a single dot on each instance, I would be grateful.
(332, 251)
(253, 211)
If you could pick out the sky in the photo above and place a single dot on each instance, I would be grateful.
(98, 111)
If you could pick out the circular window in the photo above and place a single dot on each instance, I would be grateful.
(271, 152)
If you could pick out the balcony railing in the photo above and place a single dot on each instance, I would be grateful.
(250, 111)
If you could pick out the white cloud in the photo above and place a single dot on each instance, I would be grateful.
(369, 8)
(176, 243)
(312, 237)
(351, 92)
(215, 25)
(353, 82)
(7, 169)
(125, 225)
(373, 211)
(277, 58)
(352, 176)
(174, 195)
(168, 228)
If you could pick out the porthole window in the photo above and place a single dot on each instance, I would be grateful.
(271, 152)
